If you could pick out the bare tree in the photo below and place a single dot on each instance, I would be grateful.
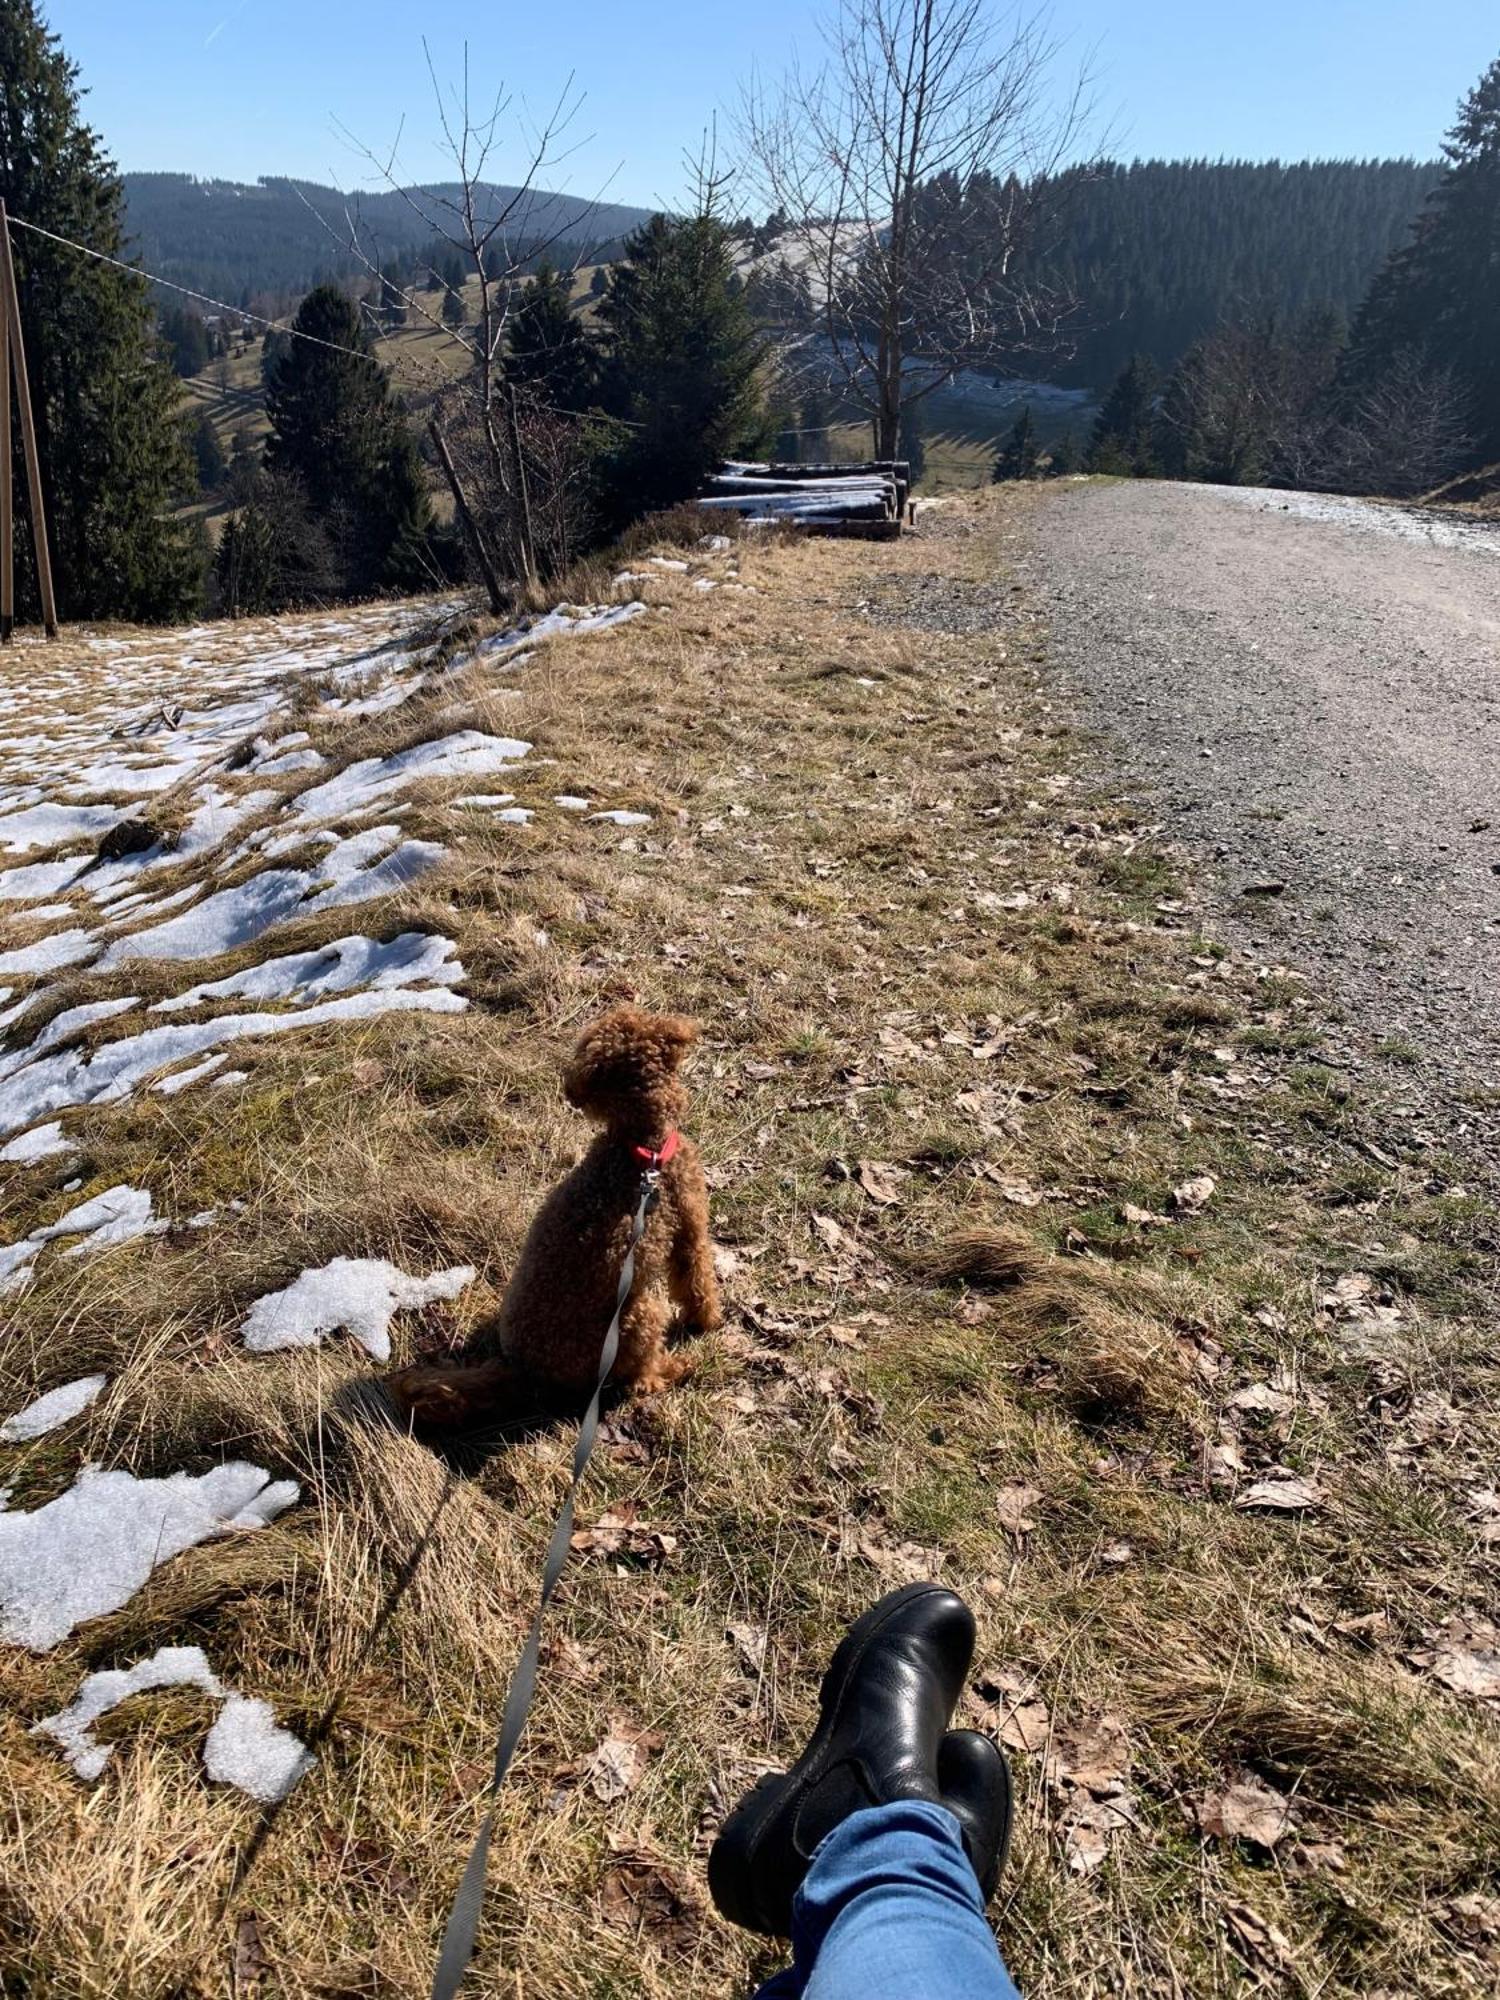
(912, 168)
(1407, 432)
(498, 233)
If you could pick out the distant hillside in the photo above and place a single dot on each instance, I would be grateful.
(279, 237)
(1161, 250)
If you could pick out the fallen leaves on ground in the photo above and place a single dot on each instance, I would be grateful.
(1190, 1197)
(1257, 1938)
(1280, 1492)
(880, 1181)
(749, 1643)
(1013, 1505)
(1143, 1218)
(619, 1763)
(621, 1532)
(1464, 1656)
(1086, 1765)
(1009, 1704)
(644, 1893)
(1246, 1811)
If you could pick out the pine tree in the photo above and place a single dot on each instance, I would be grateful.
(1066, 456)
(115, 459)
(453, 306)
(336, 426)
(209, 454)
(1439, 296)
(1017, 457)
(684, 360)
(547, 346)
(1121, 440)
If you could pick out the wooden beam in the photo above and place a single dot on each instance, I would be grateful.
(17, 347)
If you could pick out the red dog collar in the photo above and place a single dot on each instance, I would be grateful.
(648, 1157)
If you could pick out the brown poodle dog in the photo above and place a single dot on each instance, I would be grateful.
(546, 1338)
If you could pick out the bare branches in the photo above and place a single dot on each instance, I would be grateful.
(911, 167)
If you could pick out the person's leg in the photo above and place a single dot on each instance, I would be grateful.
(891, 1909)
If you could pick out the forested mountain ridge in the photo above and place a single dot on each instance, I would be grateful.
(243, 241)
(1159, 252)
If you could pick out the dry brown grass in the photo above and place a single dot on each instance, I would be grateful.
(824, 886)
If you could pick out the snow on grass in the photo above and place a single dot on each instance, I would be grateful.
(485, 799)
(92, 1548)
(42, 1142)
(72, 1728)
(55, 826)
(248, 1749)
(229, 1079)
(50, 954)
(118, 1215)
(548, 624)
(618, 818)
(571, 803)
(357, 1295)
(48, 1413)
(414, 958)
(245, 1747)
(71, 1021)
(184, 1079)
(350, 872)
(467, 753)
(105, 1075)
(40, 878)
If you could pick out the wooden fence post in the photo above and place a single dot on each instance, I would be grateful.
(17, 348)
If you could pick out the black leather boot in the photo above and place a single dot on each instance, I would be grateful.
(884, 1710)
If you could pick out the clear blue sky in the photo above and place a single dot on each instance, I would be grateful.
(239, 88)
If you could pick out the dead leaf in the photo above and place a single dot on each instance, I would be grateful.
(1283, 1493)
(1093, 1754)
(366, 1074)
(250, 1959)
(621, 1532)
(1246, 1811)
(1088, 1827)
(1143, 1218)
(749, 1642)
(1471, 1670)
(1316, 1857)
(619, 1764)
(1018, 1714)
(1194, 1195)
(833, 1236)
(1013, 1504)
(1261, 1398)
(880, 1181)
(1259, 1939)
(643, 1893)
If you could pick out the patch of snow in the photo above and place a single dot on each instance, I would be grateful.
(356, 1294)
(92, 1548)
(231, 918)
(230, 1076)
(104, 1076)
(72, 1728)
(247, 1748)
(55, 826)
(468, 753)
(50, 954)
(119, 1215)
(182, 1079)
(49, 912)
(571, 803)
(41, 878)
(485, 799)
(414, 958)
(294, 760)
(50, 1412)
(668, 562)
(42, 1142)
(621, 818)
(71, 1021)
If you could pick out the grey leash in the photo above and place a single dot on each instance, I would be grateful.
(463, 1918)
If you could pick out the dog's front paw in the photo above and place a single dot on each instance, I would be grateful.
(423, 1396)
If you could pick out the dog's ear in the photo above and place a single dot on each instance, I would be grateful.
(673, 1034)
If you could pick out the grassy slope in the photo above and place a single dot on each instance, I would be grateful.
(828, 886)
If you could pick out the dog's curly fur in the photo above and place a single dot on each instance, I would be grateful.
(548, 1333)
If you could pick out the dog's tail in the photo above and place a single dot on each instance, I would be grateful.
(455, 1395)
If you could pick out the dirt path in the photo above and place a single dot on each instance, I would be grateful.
(1306, 689)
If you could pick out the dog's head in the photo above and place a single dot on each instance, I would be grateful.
(623, 1073)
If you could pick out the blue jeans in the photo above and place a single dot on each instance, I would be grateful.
(891, 1910)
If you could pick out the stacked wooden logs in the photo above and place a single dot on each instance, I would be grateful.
(867, 499)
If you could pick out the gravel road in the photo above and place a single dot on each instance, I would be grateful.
(1306, 690)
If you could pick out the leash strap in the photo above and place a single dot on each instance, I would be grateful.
(463, 1918)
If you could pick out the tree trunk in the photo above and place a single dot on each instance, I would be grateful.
(467, 522)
